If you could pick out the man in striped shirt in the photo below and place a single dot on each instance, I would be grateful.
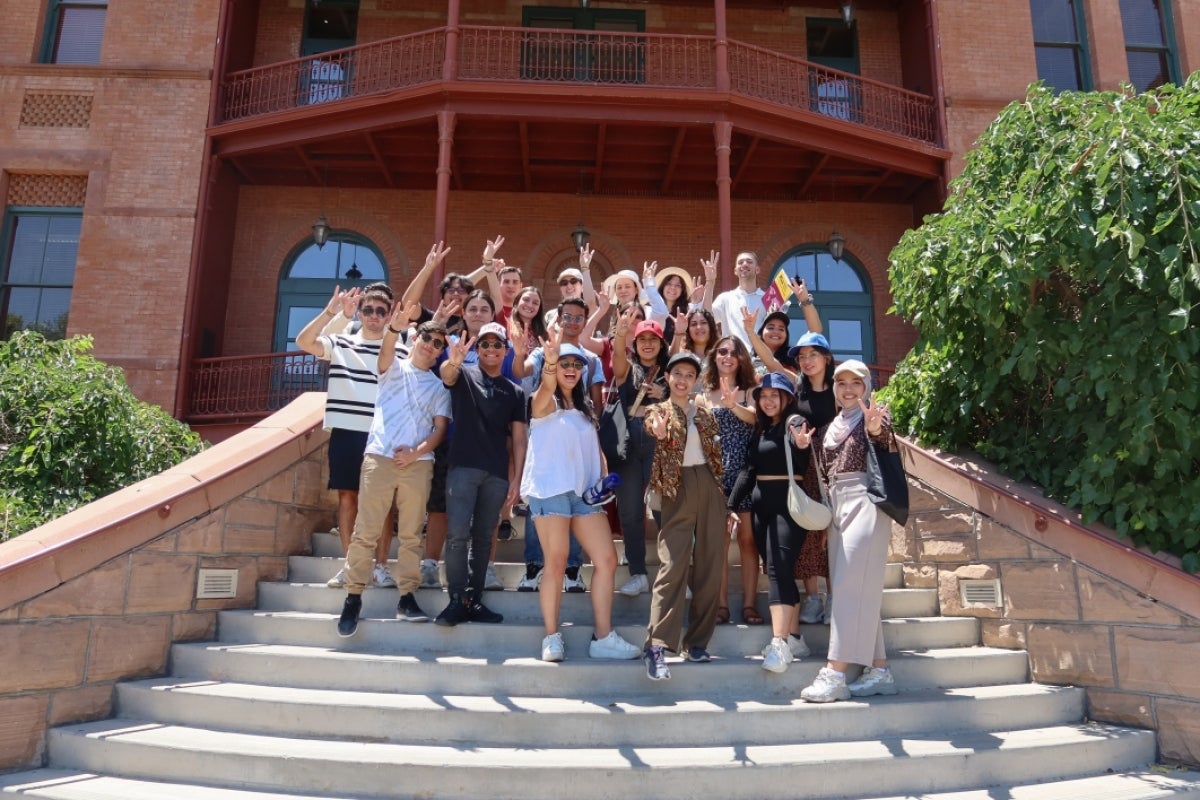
(350, 403)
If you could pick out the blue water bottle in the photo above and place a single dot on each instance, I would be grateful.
(602, 490)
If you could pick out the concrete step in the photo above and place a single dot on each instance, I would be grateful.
(75, 785)
(520, 638)
(316, 597)
(318, 569)
(732, 714)
(962, 760)
(319, 667)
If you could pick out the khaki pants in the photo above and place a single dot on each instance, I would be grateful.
(381, 481)
(692, 535)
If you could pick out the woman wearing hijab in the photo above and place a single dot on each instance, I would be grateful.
(858, 538)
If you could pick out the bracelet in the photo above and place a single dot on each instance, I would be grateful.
(456, 366)
(550, 370)
(393, 330)
(330, 313)
(548, 364)
(808, 302)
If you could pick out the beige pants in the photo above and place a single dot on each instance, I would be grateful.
(381, 481)
(858, 547)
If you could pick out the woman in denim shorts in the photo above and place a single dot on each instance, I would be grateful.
(562, 460)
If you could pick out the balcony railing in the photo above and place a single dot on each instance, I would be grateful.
(593, 58)
(249, 387)
(796, 83)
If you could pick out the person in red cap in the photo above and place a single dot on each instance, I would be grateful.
(640, 379)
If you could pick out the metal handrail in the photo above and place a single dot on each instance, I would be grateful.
(254, 386)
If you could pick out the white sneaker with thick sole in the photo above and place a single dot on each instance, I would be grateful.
(637, 584)
(828, 687)
(811, 611)
(613, 646)
(553, 648)
(337, 581)
(574, 585)
(874, 680)
(777, 656)
(381, 577)
(491, 582)
(530, 583)
(429, 575)
(798, 646)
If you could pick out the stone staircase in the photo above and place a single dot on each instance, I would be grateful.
(281, 707)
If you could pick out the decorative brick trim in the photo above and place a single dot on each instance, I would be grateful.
(50, 191)
(56, 110)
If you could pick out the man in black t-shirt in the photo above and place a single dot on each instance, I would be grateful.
(488, 409)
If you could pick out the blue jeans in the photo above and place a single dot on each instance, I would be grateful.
(533, 547)
(473, 501)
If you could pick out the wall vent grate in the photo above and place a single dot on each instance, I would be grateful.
(216, 584)
(980, 593)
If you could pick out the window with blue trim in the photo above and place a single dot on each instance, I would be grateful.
(843, 299)
(1149, 43)
(40, 250)
(1060, 44)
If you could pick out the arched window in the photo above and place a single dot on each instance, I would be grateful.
(309, 274)
(843, 300)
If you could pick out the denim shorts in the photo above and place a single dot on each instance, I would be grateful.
(567, 504)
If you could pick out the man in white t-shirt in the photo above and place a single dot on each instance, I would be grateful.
(727, 308)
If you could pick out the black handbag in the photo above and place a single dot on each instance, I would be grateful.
(887, 485)
(613, 428)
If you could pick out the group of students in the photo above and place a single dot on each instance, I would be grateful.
(504, 403)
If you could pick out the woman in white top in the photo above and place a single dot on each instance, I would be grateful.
(563, 460)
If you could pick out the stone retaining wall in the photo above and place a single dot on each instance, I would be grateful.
(99, 595)
(1090, 610)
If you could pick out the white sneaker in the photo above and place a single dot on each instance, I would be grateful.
(810, 612)
(429, 574)
(874, 680)
(490, 581)
(777, 656)
(798, 646)
(637, 584)
(530, 583)
(552, 648)
(613, 646)
(573, 585)
(382, 578)
(337, 581)
(828, 687)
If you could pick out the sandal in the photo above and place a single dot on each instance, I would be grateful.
(751, 616)
(722, 615)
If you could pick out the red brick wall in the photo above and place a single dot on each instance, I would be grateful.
(537, 237)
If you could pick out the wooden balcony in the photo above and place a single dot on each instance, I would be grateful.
(542, 58)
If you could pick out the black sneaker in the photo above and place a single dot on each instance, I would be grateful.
(454, 613)
(478, 612)
(697, 654)
(533, 576)
(505, 532)
(408, 610)
(348, 622)
(572, 582)
(656, 663)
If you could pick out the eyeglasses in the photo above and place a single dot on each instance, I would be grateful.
(573, 364)
(372, 311)
(809, 357)
(491, 345)
(726, 351)
(436, 342)
(569, 281)
(456, 289)
(575, 318)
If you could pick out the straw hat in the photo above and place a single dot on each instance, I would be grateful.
(667, 272)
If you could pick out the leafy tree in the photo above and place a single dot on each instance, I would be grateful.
(1057, 296)
(71, 431)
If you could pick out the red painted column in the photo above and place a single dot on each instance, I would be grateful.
(446, 121)
(450, 64)
(722, 133)
(721, 56)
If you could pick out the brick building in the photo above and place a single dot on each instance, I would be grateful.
(162, 164)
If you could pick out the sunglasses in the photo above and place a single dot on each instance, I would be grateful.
(573, 364)
(569, 281)
(430, 339)
(490, 345)
(372, 311)
(726, 351)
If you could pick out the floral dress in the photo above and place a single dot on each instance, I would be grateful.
(735, 436)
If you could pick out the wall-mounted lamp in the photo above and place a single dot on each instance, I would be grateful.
(848, 13)
(320, 230)
(836, 245)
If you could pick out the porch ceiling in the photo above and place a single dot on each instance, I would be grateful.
(576, 156)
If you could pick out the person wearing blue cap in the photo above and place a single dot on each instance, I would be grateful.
(686, 472)
(563, 459)
(814, 399)
(766, 478)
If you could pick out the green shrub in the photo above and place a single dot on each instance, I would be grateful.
(1056, 297)
(71, 431)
